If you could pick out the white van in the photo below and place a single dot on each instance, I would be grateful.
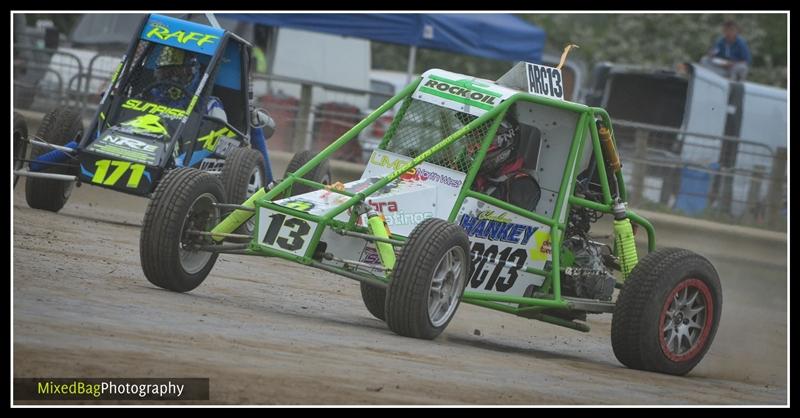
(695, 99)
(323, 58)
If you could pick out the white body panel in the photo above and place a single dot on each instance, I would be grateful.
(427, 192)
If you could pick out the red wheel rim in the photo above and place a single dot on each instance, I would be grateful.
(686, 320)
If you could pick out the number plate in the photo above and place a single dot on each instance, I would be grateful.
(225, 146)
(283, 232)
(545, 81)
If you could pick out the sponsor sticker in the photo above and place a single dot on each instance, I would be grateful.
(125, 148)
(502, 246)
(460, 92)
(182, 34)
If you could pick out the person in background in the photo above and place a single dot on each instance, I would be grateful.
(261, 60)
(259, 44)
(730, 56)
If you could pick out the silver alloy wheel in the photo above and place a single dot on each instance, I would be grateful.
(202, 214)
(255, 182)
(684, 321)
(447, 286)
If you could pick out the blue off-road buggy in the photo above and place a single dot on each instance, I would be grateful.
(180, 97)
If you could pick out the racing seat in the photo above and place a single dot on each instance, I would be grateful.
(531, 138)
(514, 182)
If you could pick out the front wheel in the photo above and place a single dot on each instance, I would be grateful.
(242, 175)
(182, 203)
(667, 313)
(429, 279)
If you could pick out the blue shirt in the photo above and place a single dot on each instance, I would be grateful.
(737, 51)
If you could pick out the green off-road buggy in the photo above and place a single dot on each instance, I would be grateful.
(482, 192)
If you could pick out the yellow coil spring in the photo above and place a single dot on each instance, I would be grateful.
(385, 250)
(625, 246)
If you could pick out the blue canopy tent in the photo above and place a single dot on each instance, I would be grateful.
(495, 36)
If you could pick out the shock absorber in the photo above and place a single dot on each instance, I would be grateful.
(379, 228)
(609, 149)
(612, 162)
(624, 243)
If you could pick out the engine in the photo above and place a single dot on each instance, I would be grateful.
(589, 277)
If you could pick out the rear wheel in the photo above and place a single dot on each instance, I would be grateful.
(374, 299)
(321, 173)
(59, 127)
(182, 202)
(428, 280)
(242, 175)
(667, 313)
(20, 143)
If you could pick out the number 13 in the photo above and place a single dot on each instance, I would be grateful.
(298, 229)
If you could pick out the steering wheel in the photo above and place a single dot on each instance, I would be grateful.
(169, 84)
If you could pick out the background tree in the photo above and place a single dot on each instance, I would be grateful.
(657, 40)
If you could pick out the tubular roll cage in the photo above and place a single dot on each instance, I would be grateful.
(552, 283)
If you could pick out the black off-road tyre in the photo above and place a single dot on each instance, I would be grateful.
(321, 173)
(375, 300)
(164, 260)
(59, 127)
(20, 144)
(242, 175)
(407, 299)
(652, 312)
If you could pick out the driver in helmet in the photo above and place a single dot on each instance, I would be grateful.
(503, 173)
(177, 75)
(501, 151)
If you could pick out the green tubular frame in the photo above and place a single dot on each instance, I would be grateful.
(551, 287)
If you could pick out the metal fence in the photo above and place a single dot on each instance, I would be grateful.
(45, 78)
(310, 115)
(714, 177)
(726, 179)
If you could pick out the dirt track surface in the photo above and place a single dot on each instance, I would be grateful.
(267, 331)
